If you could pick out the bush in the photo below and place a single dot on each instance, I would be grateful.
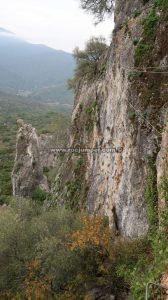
(51, 254)
(33, 251)
(39, 194)
(56, 254)
(142, 51)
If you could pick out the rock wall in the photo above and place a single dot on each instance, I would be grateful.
(118, 127)
(123, 110)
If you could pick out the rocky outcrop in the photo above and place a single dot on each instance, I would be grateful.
(37, 160)
(121, 116)
(30, 160)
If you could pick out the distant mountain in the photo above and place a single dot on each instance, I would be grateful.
(3, 30)
(36, 70)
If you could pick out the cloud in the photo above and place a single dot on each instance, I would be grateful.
(59, 24)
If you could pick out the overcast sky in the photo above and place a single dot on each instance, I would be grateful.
(60, 24)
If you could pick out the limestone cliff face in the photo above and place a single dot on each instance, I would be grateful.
(125, 110)
(120, 122)
(32, 155)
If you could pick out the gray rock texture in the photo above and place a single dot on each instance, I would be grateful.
(129, 112)
(28, 174)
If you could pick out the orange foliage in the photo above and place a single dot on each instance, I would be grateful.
(36, 286)
(94, 233)
(67, 296)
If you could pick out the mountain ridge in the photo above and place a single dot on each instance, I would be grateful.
(32, 67)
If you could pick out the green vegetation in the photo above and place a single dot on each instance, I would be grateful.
(88, 62)
(58, 254)
(50, 254)
(73, 193)
(142, 51)
(146, 44)
(76, 189)
(163, 4)
(150, 23)
(100, 9)
(39, 195)
(34, 260)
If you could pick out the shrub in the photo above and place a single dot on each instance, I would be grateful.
(56, 254)
(142, 51)
(39, 194)
(35, 260)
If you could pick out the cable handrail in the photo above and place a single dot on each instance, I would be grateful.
(145, 71)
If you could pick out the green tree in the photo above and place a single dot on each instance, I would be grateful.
(99, 8)
(87, 61)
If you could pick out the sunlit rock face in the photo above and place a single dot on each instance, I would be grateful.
(129, 114)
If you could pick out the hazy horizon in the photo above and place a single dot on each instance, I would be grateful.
(60, 25)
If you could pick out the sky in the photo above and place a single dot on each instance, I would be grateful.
(60, 24)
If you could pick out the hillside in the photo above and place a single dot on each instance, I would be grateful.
(36, 70)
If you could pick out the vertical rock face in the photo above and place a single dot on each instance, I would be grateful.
(28, 169)
(126, 112)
